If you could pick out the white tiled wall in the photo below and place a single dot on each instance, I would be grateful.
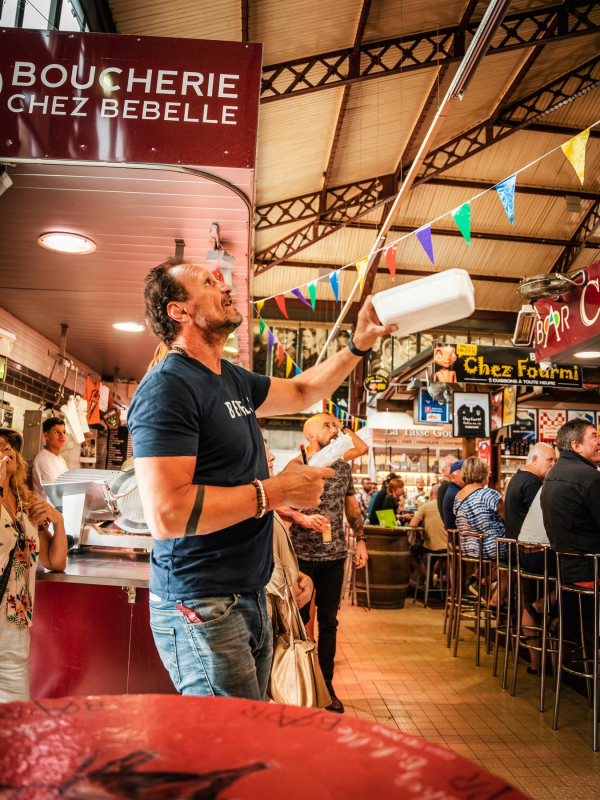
(31, 350)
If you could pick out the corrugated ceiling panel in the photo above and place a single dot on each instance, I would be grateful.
(379, 120)
(389, 18)
(293, 144)
(302, 28)
(180, 18)
(493, 76)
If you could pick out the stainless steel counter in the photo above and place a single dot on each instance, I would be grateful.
(109, 568)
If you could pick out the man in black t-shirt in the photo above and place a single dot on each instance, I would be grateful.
(202, 473)
(445, 466)
(524, 486)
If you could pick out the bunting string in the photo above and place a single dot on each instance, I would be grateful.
(574, 151)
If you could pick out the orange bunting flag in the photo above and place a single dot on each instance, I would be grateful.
(288, 366)
(280, 300)
(280, 353)
(361, 268)
(574, 150)
(259, 306)
(390, 258)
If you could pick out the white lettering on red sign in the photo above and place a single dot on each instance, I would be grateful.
(587, 321)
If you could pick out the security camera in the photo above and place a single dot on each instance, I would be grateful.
(5, 181)
(545, 364)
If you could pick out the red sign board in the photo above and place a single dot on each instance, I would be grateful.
(571, 323)
(130, 99)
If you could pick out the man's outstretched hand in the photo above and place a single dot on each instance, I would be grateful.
(369, 327)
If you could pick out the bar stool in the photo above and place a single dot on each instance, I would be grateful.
(452, 592)
(443, 584)
(505, 629)
(523, 640)
(474, 611)
(579, 591)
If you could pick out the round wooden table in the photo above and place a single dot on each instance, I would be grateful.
(160, 747)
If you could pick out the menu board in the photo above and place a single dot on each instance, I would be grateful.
(119, 447)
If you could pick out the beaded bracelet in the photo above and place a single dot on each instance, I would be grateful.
(261, 498)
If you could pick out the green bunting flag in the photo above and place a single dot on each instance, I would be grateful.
(462, 218)
(262, 325)
(312, 291)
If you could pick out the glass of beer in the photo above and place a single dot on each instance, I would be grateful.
(326, 531)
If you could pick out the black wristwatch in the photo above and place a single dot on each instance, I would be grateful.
(354, 349)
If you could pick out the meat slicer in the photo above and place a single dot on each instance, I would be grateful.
(101, 508)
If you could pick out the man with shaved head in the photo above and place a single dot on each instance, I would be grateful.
(322, 549)
(204, 482)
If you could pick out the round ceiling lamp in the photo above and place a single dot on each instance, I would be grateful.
(130, 327)
(588, 354)
(69, 243)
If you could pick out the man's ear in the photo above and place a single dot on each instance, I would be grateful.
(177, 311)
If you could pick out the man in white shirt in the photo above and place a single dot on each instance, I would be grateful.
(49, 464)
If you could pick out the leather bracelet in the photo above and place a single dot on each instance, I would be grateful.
(361, 539)
(354, 349)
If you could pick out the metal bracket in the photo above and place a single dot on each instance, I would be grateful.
(130, 591)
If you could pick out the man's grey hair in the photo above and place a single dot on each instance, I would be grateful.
(449, 460)
(538, 450)
(572, 431)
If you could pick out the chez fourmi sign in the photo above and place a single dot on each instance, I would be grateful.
(132, 99)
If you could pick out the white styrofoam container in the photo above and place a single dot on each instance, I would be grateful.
(7, 339)
(432, 301)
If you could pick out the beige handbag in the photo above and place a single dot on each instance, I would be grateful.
(296, 678)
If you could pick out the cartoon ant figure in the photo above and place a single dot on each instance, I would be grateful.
(444, 356)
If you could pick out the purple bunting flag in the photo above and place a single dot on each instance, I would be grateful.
(424, 237)
(300, 296)
(271, 340)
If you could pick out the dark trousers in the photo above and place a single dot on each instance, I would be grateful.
(328, 578)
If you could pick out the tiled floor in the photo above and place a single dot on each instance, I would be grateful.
(393, 667)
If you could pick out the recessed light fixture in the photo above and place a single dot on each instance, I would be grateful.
(230, 349)
(588, 354)
(131, 327)
(70, 243)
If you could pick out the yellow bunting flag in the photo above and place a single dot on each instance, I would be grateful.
(259, 306)
(574, 150)
(288, 366)
(330, 409)
(361, 268)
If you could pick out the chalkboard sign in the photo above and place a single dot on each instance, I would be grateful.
(119, 447)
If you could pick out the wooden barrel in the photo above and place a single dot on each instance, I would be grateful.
(389, 567)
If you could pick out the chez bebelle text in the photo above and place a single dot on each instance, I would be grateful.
(210, 86)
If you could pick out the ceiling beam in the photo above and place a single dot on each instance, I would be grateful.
(401, 54)
(556, 94)
(580, 239)
(245, 13)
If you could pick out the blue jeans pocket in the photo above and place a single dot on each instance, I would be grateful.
(164, 639)
(213, 610)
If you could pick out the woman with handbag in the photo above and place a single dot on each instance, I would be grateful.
(296, 677)
(24, 537)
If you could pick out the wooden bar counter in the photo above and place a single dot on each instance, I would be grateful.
(389, 567)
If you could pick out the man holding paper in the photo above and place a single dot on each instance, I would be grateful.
(322, 549)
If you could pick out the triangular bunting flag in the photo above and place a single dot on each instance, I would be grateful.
(280, 353)
(574, 150)
(462, 218)
(300, 296)
(337, 411)
(390, 258)
(506, 193)
(330, 408)
(259, 306)
(262, 325)
(271, 341)
(280, 300)
(424, 237)
(288, 366)
(361, 268)
(334, 280)
(312, 291)
(298, 371)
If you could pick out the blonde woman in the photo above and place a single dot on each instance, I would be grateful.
(24, 539)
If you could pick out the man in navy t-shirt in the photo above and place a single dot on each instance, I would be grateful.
(203, 478)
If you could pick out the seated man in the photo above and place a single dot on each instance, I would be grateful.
(571, 500)
(456, 484)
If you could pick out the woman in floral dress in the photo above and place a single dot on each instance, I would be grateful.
(24, 539)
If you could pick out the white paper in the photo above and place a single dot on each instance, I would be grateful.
(333, 451)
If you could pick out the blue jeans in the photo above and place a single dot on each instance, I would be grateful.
(229, 654)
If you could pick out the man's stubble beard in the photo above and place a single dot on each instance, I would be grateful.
(214, 331)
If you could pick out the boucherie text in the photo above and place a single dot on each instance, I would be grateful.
(200, 95)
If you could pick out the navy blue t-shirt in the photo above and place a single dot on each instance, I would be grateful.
(448, 507)
(182, 408)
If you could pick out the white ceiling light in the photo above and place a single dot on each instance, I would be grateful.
(230, 348)
(588, 354)
(70, 243)
(131, 327)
